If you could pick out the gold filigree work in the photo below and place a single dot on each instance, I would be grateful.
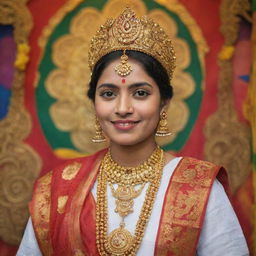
(67, 83)
(127, 32)
(71, 171)
(124, 68)
(19, 163)
(120, 241)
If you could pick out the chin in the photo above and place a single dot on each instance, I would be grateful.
(129, 140)
(124, 142)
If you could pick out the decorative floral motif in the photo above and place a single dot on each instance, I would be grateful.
(62, 200)
(71, 171)
(19, 163)
(67, 83)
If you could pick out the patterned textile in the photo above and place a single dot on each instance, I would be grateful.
(209, 113)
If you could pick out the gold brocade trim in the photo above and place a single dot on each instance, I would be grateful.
(71, 171)
(40, 212)
(62, 200)
(67, 83)
(184, 206)
(79, 253)
(20, 164)
(228, 140)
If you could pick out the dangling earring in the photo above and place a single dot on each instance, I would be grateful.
(99, 136)
(162, 129)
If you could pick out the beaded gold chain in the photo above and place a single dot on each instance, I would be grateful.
(120, 241)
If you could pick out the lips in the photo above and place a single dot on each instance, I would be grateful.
(124, 125)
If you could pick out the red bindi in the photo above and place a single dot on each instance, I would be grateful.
(123, 80)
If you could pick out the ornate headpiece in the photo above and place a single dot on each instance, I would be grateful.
(127, 32)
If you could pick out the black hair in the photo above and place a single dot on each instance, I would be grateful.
(152, 67)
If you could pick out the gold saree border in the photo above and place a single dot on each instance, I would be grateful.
(184, 207)
(40, 212)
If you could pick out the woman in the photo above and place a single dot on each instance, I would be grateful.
(132, 198)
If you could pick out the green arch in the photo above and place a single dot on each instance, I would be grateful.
(59, 139)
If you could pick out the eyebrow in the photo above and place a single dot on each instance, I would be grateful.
(135, 85)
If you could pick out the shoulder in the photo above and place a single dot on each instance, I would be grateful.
(71, 167)
(197, 162)
(221, 232)
(194, 171)
(197, 167)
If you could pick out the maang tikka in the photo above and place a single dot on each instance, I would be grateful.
(124, 68)
(99, 136)
(163, 129)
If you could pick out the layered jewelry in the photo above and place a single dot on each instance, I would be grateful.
(120, 241)
(99, 136)
(163, 129)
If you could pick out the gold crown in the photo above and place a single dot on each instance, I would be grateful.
(127, 32)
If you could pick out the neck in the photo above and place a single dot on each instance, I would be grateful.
(132, 155)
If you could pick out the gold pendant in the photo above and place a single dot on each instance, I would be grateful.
(120, 241)
(124, 207)
(124, 198)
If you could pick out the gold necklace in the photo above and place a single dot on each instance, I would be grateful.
(117, 174)
(120, 241)
(124, 198)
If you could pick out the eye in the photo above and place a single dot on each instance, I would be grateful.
(107, 94)
(141, 93)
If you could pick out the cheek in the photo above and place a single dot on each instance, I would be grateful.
(102, 109)
(150, 114)
(150, 108)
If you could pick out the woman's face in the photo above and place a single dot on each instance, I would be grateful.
(128, 108)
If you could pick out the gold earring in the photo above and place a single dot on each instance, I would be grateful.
(99, 136)
(162, 129)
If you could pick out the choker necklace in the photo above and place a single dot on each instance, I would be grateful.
(120, 241)
(117, 174)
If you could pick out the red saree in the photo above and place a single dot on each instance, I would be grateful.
(63, 209)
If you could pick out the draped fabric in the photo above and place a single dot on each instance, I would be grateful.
(63, 208)
(212, 114)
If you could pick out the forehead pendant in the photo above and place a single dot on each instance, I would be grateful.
(124, 68)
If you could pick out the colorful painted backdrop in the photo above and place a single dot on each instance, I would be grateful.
(45, 117)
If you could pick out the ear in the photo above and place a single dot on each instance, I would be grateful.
(164, 105)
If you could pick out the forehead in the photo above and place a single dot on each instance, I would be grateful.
(138, 74)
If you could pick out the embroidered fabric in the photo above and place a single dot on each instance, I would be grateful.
(221, 233)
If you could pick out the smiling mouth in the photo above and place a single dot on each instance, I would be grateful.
(124, 124)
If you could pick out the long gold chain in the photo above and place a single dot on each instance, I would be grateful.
(120, 241)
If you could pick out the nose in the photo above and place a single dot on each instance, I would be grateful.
(124, 106)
